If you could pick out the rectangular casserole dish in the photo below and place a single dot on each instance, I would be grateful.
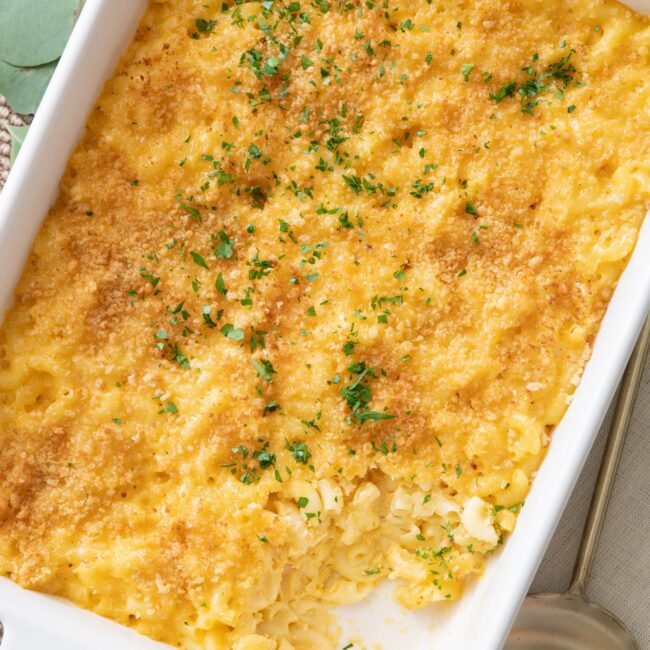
(480, 621)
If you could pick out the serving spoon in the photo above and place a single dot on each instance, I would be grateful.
(569, 621)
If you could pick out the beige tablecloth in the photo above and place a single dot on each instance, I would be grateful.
(620, 579)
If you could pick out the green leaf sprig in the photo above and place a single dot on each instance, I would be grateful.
(32, 37)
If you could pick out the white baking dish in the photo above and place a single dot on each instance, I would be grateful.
(482, 619)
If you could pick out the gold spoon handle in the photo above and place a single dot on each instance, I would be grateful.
(611, 458)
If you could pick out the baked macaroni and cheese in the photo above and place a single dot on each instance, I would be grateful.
(320, 281)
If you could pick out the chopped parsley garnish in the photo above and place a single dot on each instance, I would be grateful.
(153, 280)
(264, 457)
(169, 408)
(193, 212)
(271, 407)
(358, 394)
(225, 248)
(198, 259)
(264, 369)
(385, 448)
(259, 268)
(207, 317)
(354, 183)
(220, 285)
(420, 189)
(205, 26)
(233, 333)
(299, 451)
(261, 66)
(467, 70)
(257, 339)
(558, 75)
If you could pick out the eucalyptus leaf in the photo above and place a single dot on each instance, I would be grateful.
(24, 87)
(34, 32)
(17, 134)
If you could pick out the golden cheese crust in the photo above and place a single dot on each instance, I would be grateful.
(320, 281)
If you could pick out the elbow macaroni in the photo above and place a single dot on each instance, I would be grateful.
(320, 282)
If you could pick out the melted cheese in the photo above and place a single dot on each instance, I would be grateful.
(317, 288)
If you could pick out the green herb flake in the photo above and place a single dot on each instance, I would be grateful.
(192, 211)
(198, 259)
(220, 285)
(466, 70)
(205, 26)
(300, 451)
(225, 248)
(231, 332)
(169, 408)
(264, 369)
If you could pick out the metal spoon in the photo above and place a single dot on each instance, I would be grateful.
(569, 621)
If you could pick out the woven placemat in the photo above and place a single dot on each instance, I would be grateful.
(8, 116)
